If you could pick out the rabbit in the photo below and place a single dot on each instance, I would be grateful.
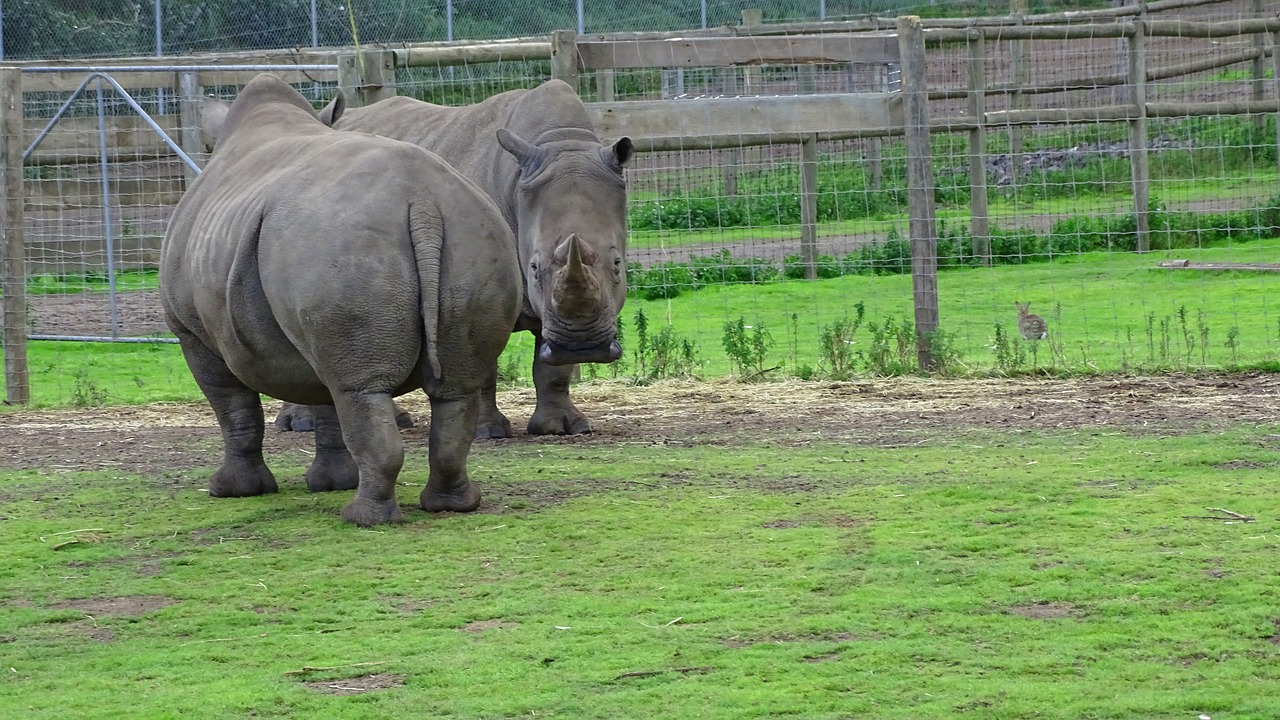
(1031, 327)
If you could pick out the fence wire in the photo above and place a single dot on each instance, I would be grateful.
(717, 234)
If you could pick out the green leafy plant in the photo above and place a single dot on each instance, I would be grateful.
(747, 350)
(837, 343)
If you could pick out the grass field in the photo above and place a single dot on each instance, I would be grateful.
(680, 567)
(1107, 312)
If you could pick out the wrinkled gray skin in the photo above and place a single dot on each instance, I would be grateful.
(337, 270)
(536, 154)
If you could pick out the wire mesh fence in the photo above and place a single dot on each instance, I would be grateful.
(719, 229)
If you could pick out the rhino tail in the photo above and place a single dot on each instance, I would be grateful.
(426, 234)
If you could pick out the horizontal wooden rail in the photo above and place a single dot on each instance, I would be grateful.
(732, 117)
(1163, 73)
(724, 52)
(426, 56)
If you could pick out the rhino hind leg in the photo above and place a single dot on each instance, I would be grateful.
(378, 453)
(295, 418)
(555, 413)
(492, 424)
(243, 472)
(301, 418)
(452, 430)
(333, 467)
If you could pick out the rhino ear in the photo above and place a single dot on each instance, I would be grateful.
(331, 112)
(621, 152)
(213, 116)
(526, 155)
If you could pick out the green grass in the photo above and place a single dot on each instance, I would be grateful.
(824, 582)
(1099, 307)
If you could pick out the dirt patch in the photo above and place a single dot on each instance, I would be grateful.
(1045, 611)
(838, 520)
(1239, 465)
(356, 685)
(480, 626)
(167, 441)
(828, 657)
(128, 606)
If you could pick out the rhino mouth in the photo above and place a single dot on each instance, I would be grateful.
(554, 353)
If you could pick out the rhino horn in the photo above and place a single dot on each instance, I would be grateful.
(576, 293)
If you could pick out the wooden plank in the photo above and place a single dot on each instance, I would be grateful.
(809, 206)
(74, 255)
(430, 56)
(723, 52)
(76, 139)
(746, 115)
(13, 306)
(1195, 265)
(920, 192)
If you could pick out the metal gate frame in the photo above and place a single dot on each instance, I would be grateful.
(102, 74)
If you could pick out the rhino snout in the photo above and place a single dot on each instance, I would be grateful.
(554, 353)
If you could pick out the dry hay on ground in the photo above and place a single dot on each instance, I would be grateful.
(876, 412)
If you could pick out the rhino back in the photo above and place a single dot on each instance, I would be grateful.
(307, 233)
(466, 136)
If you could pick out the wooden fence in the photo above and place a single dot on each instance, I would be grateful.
(719, 122)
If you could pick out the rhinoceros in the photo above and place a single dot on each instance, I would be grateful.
(564, 196)
(337, 270)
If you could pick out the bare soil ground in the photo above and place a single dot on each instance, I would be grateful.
(160, 439)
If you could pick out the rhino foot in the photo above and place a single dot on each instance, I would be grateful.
(332, 471)
(464, 499)
(404, 420)
(493, 431)
(554, 423)
(365, 513)
(242, 478)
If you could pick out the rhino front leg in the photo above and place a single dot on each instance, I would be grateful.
(452, 430)
(333, 467)
(369, 429)
(239, 411)
(555, 413)
(491, 423)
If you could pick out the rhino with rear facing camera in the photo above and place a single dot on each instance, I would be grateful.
(564, 196)
(337, 270)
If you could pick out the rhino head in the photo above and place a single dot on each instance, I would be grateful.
(572, 225)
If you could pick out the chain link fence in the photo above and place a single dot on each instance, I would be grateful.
(49, 29)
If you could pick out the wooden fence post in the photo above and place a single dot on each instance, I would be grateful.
(1138, 160)
(1259, 66)
(1021, 70)
(875, 146)
(564, 57)
(189, 116)
(922, 225)
(1275, 80)
(809, 205)
(751, 85)
(13, 308)
(367, 77)
(979, 215)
